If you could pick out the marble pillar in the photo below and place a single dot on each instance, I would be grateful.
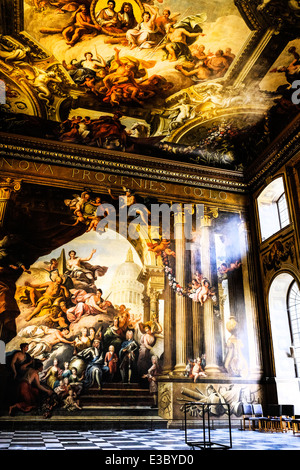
(169, 330)
(154, 296)
(180, 301)
(197, 309)
(207, 248)
(255, 361)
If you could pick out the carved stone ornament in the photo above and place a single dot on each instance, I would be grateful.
(278, 253)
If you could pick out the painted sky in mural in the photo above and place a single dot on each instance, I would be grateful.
(112, 257)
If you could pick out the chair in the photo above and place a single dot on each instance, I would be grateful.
(276, 424)
(247, 414)
(258, 420)
(273, 410)
(280, 417)
(274, 415)
(295, 422)
(287, 416)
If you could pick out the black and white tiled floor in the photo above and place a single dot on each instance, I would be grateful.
(142, 440)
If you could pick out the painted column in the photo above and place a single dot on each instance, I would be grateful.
(255, 368)
(146, 302)
(168, 329)
(154, 295)
(8, 189)
(207, 247)
(180, 301)
(197, 309)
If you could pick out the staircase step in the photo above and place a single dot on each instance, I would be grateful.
(115, 403)
(117, 392)
(103, 395)
(112, 411)
(120, 385)
(71, 422)
(116, 406)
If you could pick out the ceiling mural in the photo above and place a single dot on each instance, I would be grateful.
(208, 83)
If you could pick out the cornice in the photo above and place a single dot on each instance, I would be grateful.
(284, 147)
(39, 150)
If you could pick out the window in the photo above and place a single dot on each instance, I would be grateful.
(272, 209)
(293, 305)
(282, 211)
(2, 92)
(284, 309)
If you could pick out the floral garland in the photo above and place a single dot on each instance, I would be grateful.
(179, 290)
(172, 280)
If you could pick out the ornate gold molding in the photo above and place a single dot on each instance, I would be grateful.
(12, 146)
(8, 189)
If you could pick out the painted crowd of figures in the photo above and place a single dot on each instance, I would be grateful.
(31, 386)
(52, 357)
(125, 80)
(119, 80)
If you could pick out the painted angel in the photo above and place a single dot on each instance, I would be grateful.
(159, 247)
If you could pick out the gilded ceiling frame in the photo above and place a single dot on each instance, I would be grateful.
(278, 152)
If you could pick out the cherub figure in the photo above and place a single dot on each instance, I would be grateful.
(71, 403)
(200, 290)
(159, 247)
(170, 252)
(228, 267)
(197, 370)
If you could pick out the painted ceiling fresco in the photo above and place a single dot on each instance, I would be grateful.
(202, 82)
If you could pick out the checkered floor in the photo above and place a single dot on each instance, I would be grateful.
(143, 440)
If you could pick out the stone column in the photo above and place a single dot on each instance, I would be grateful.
(8, 189)
(207, 247)
(169, 337)
(255, 362)
(154, 295)
(180, 301)
(197, 309)
(146, 302)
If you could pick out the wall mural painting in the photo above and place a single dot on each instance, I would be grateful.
(218, 397)
(146, 77)
(83, 319)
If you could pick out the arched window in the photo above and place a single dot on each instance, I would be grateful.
(293, 306)
(282, 211)
(284, 309)
(272, 209)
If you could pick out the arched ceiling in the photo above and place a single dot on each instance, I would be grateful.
(211, 84)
